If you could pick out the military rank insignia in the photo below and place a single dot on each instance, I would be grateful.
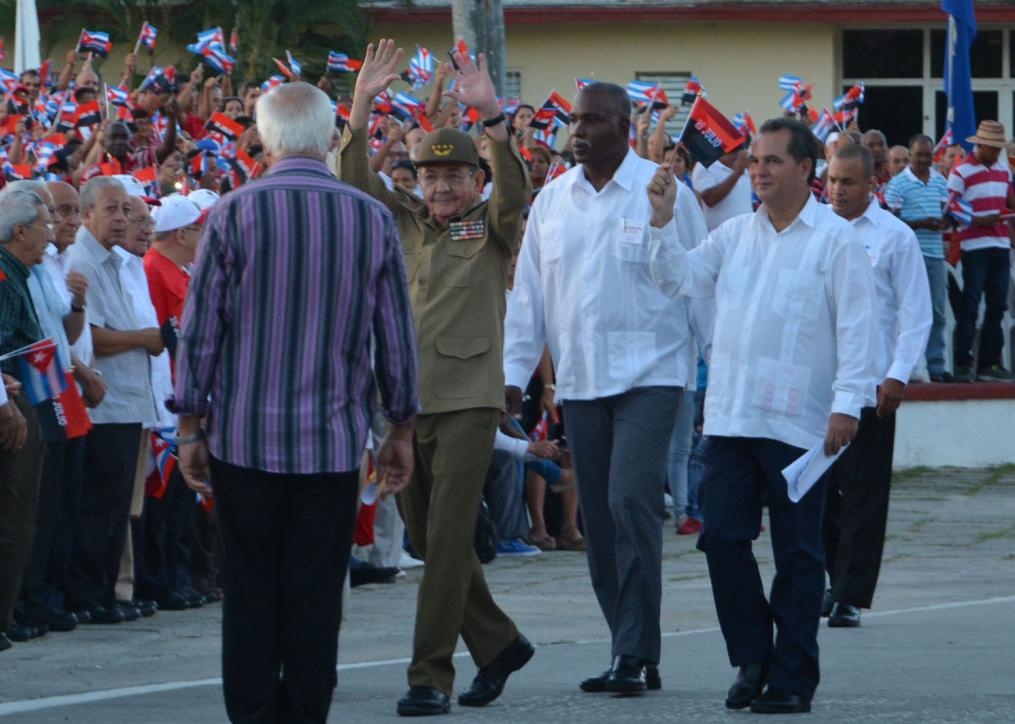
(467, 230)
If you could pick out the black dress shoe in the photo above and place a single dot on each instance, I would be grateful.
(653, 682)
(60, 620)
(129, 612)
(143, 608)
(827, 603)
(627, 676)
(175, 601)
(5, 643)
(362, 575)
(424, 701)
(844, 616)
(83, 616)
(21, 632)
(746, 687)
(595, 684)
(490, 680)
(41, 629)
(108, 615)
(780, 702)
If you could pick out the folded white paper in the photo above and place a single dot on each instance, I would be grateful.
(806, 470)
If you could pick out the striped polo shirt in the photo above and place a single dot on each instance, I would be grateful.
(986, 190)
(912, 199)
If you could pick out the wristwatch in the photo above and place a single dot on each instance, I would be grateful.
(75, 308)
(188, 439)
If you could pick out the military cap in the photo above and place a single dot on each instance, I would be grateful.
(446, 145)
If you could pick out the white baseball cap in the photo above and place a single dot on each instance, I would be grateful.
(175, 212)
(204, 198)
(131, 185)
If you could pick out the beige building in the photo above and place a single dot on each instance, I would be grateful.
(739, 48)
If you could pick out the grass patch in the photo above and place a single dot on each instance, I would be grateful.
(993, 476)
(1001, 534)
(910, 474)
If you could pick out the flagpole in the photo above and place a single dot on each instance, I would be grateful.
(137, 45)
(950, 116)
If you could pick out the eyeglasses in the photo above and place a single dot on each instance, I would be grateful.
(49, 226)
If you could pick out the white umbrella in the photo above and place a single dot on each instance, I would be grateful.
(26, 41)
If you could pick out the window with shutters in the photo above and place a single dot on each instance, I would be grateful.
(673, 84)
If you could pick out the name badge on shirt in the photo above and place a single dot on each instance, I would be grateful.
(467, 230)
(631, 232)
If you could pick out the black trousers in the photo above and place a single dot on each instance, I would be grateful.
(59, 509)
(857, 510)
(738, 472)
(286, 541)
(110, 462)
(161, 549)
(19, 497)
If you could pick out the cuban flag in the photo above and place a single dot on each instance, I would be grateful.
(692, 90)
(509, 105)
(542, 429)
(407, 106)
(160, 80)
(942, 145)
(161, 463)
(275, 80)
(40, 375)
(790, 82)
(294, 65)
(708, 134)
(851, 99)
(94, 41)
(961, 211)
(217, 59)
(148, 35)
(555, 113)
(556, 169)
(794, 100)
(745, 124)
(582, 82)
(9, 80)
(88, 114)
(824, 125)
(461, 48)
(420, 70)
(342, 63)
(234, 41)
(211, 36)
(118, 96)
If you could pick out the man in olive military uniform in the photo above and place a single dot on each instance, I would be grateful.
(458, 252)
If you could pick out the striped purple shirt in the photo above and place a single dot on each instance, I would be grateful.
(298, 275)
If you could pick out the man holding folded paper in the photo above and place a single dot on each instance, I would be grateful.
(793, 362)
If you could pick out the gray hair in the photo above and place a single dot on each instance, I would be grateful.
(18, 206)
(91, 191)
(33, 185)
(295, 119)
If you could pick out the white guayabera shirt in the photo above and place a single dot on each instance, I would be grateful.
(583, 286)
(900, 276)
(795, 335)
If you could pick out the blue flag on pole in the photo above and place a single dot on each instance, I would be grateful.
(961, 118)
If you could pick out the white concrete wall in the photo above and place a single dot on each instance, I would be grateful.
(955, 433)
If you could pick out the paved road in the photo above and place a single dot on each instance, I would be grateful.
(939, 646)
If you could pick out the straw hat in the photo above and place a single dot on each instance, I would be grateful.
(989, 133)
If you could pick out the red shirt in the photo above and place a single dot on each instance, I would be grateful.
(167, 285)
(139, 159)
(194, 126)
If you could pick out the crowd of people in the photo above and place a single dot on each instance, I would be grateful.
(560, 344)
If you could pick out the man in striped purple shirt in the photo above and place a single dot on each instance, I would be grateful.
(298, 277)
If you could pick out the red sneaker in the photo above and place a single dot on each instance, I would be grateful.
(689, 527)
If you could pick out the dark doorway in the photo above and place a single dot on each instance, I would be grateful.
(896, 111)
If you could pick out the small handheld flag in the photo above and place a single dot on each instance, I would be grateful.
(823, 126)
(294, 65)
(420, 70)
(961, 211)
(40, 374)
(745, 124)
(942, 146)
(93, 41)
(708, 134)
(147, 38)
(342, 63)
(221, 123)
(851, 99)
(692, 90)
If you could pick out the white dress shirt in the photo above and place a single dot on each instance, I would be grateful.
(583, 286)
(128, 396)
(82, 347)
(795, 336)
(900, 276)
(135, 283)
(735, 203)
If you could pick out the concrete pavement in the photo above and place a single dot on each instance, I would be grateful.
(938, 646)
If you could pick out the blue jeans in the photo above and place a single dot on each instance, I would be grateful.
(937, 276)
(680, 454)
(985, 273)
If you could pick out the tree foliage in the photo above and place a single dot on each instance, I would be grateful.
(266, 28)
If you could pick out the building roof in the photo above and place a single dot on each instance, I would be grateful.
(543, 11)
